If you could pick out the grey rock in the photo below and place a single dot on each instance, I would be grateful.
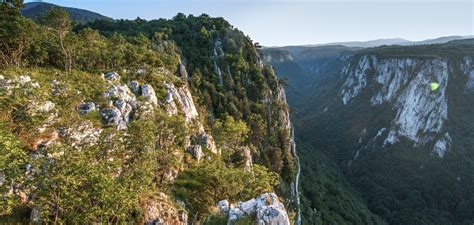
(265, 209)
(149, 93)
(160, 210)
(180, 97)
(80, 135)
(134, 87)
(86, 107)
(196, 151)
(112, 76)
(208, 141)
(113, 116)
(224, 206)
(442, 145)
(35, 216)
(182, 71)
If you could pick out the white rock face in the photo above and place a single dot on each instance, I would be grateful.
(149, 93)
(404, 82)
(442, 145)
(218, 52)
(180, 97)
(357, 79)
(468, 68)
(265, 209)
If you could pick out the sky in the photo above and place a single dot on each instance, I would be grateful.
(298, 22)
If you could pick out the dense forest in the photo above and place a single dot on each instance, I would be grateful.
(113, 178)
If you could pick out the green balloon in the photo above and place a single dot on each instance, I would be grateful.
(434, 86)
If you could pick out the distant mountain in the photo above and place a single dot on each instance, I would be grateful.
(380, 42)
(439, 40)
(36, 9)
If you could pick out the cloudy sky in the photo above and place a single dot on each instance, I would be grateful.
(296, 22)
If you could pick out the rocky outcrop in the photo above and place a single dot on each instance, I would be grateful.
(468, 68)
(180, 97)
(83, 134)
(8, 85)
(196, 152)
(158, 209)
(124, 104)
(112, 76)
(266, 209)
(403, 82)
(442, 145)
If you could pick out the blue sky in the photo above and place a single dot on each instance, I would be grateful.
(296, 22)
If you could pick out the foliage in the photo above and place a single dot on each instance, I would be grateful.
(202, 187)
(12, 169)
(230, 132)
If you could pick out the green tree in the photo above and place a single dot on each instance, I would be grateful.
(230, 132)
(16, 33)
(202, 187)
(59, 25)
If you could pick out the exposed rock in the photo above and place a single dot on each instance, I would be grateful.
(134, 87)
(160, 210)
(80, 135)
(468, 68)
(86, 107)
(180, 97)
(113, 116)
(182, 71)
(247, 153)
(224, 206)
(121, 111)
(149, 93)
(208, 141)
(35, 216)
(141, 71)
(171, 107)
(171, 174)
(112, 76)
(266, 209)
(24, 79)
(121, 92)
(37, 108)
(404, 83)
(442, 145)
(356, 81)
(196, 151)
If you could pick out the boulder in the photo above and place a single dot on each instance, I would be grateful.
(113, 116)
(266, 209)
(112, 76)
(86, 107)
(134, 86)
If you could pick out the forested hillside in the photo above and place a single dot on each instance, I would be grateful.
(139, 122)
(386, 136)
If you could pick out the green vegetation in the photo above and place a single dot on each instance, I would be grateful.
(105, 182)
